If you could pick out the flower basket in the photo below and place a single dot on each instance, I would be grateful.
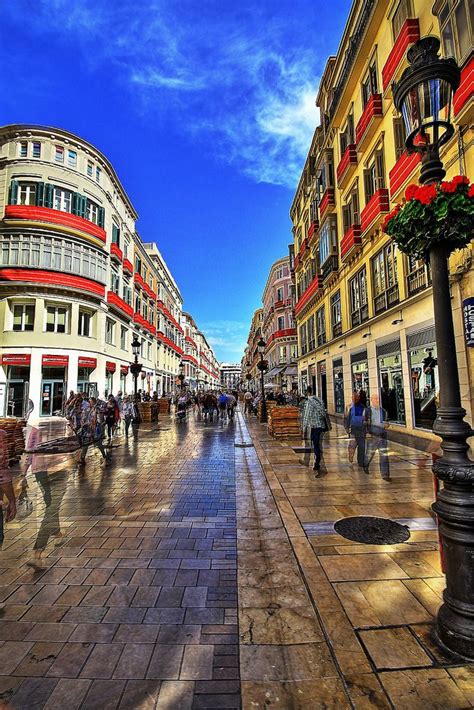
(433, 214)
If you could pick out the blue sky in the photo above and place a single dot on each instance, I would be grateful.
(205, 108)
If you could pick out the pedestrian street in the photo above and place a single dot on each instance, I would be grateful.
(199, 568)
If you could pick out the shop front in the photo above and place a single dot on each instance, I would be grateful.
(85, 367)
(53, 384)
(338, 379)
(389, 361)
(110, 368)
(360, 373)
(14, 394)
(423, 377)
(322, 382)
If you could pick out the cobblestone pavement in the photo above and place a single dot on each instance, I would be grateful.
(143, 604)
(138, 608)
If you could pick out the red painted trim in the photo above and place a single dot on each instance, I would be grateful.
(55, 360)
(372, 110)
(51, 278)
(402, 170)
(139, 280)
(110, 366)
(16, 359)
(327, 201)
(89, 362)
(46, 214)
(116, 251)
(351, 239)
(313, 287)
(188, 339)
(377, 204)
(141, 321)
(171, 319)
(169, 343)
(190, 358)
(466, 87)
(349, 158)
(128, 266)
(117, 302)
(409, 33)
(313, 227)
(124, 369)
(150, 293)
(286, 333)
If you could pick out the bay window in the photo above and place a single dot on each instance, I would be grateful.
(327, 240)
(359, 298)
(384, 275)
(456, 20)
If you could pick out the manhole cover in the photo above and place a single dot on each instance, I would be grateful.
(372, 531)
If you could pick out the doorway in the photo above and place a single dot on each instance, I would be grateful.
(52, 397)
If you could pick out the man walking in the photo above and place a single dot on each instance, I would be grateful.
(315, 422)
(377, 426)
(356, 425)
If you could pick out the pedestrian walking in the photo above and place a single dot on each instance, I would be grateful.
(111, 417)
(231, 405)
(377, 425)
(315, 422)
(222, 404)
(248, 400)
(131, 416)
(356, 426)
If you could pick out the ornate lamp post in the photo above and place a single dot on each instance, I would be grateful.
(261, 345)
(423, 96)
(135, 367)
(181, 375)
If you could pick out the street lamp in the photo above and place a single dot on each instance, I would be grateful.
(425, 91)
(261, 345)
(135, 367)
(181, 375)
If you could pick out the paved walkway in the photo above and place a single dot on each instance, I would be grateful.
(143, 604)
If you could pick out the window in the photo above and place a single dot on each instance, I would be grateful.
(62, 199)
(115, 281)
(399, 134)
(36, 150)
(369, 84)
(347, 137)
(384, 276)
(127, 292)
(402, 13)
(125, 248)
(97, 174)
(26, 193)
(374, 175)
(350, 211)
(138, 265)
(59, 154)
(115, 234)
(311, 333)
(123, 337)
(109, 331)
(56, 319)
(336, 314)
(303, 340)
(72, 158)
(358, 298)
(280, 322)
(23, 149)
(456, 19)
(327, 240)
(84, 324)
(282, 354)
(149, 351)
(279, 294)
(321, 325)
(93, 212)
(23, 317)
(90, 169)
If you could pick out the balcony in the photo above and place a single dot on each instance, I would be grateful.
(128, 266)
(369, 121)
(52, 278)
(401, 171)
(313, 231)
(351, 241)
(360, 315)
(329, 267)
(374, 209)
(139, 282)
(409, 33)
(463, 104)
(116, 253)
(418, 280)
(143, 323)
(337, 330)
(327, 203)
(72, 223)
(347, 165)
(385, 300)
(279, 304)
(149, 291)
(314, 286)
(118, 304)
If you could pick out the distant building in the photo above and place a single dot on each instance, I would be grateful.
(231, 375)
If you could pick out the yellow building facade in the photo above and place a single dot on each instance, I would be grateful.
(364, 311)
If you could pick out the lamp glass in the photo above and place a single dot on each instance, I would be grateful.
(135, 346)
(427, 104)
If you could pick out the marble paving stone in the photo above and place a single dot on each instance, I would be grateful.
(297, 662)
(275, 625)
(420, 689)
(463, 676)
(354, 567)
(366, 692)
(394, 648)
(380, 603)
(325, 693)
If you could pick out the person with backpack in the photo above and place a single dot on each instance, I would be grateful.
(315, 422)
(377, 426)
(356, 427)
(222, 404)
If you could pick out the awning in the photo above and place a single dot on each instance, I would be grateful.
(16, 359)
(274, 371)
(291, 370)
(110, 366)
(55, 360)
(89, 363)
(124, 369)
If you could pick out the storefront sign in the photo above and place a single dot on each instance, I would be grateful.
(55, 360)
(124, 369)
(88, 362)
(110, 366)
(468, 318)
(16, 359)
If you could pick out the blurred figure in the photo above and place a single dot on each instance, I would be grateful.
(377, 425)
(314, 422)
(248, 399)
(356, 426)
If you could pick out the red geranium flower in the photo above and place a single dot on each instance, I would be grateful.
(426, 194)
(460, 180)
(448, 187)
(410, 191)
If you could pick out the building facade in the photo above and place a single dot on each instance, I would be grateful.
(278, 326)
(77, 282)
(231, 376)
(364, 311)
(250, 371)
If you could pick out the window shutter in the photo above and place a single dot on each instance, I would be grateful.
(101, 217)
(345, 219)
(379, 169)
(39, 194)
(48, 195)
(76, 198)
(13, 193)
(367, 185)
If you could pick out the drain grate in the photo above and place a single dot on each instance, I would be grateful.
(371, 530)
